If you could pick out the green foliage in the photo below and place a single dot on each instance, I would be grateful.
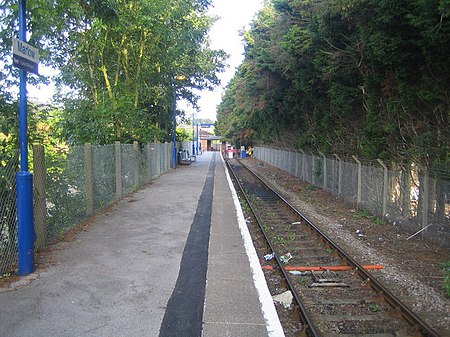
(364, 77)
(183, 135)
(117, 62)
(366, 214)
(373, 307)
(311, 188)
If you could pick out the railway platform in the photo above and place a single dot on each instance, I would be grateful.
(173, 259)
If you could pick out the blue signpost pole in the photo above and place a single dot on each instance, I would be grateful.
(26, 233)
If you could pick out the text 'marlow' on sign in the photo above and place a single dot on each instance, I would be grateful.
(25, 56)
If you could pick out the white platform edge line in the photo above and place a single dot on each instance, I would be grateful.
(273, 324)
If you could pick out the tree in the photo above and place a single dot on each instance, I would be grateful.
(358, 77)
(117, 62)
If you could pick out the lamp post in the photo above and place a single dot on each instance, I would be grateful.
(197, 138)
(193, 133)
(174, 156)
(174, 84)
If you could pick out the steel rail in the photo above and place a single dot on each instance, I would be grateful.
(308, 322)
(415, 321)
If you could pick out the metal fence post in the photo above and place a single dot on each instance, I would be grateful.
(339, 175)
(159, 156)
(313, 170)
(424, 196)
(289, 167)
(302, 174)
(292, 157)
(158, 159)
(149, 162)
(385, 186)
(274, 156)
(163, 157)
(89, 179)
(40, 208)
(136, 165)
(166, 148)
(279, 158)
(359, 187)
(118, 157)
(324, 171)
(169, 147)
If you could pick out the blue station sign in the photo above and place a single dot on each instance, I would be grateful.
(206, 125)
(25, 57)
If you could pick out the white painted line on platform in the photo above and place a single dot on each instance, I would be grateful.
(273, 324)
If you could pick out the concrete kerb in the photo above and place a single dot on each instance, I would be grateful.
(231, 303)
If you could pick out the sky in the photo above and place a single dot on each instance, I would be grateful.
(234, 15)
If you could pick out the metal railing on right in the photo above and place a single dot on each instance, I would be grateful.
(414, 199)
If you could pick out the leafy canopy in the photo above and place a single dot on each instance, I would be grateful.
(364, 77)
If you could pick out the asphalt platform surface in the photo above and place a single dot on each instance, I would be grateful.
(171, 260)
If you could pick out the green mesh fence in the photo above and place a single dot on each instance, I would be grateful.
(9, 166)
(104, 175)
(349, 182)
(64, 190)
(154, 160)
(71, 185)
(411, 199)
(129, 167)
(144, 165)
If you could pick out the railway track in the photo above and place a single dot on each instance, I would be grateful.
(333, 295)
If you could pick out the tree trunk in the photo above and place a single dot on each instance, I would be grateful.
(139, 68)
